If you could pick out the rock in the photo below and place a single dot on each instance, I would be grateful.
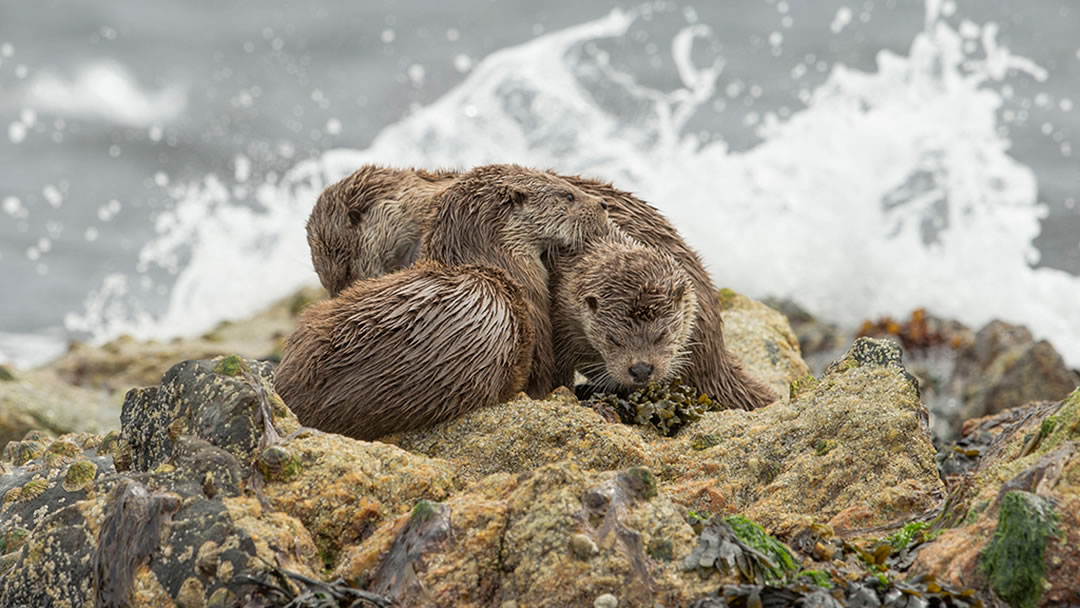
(761, 339)
(125, 362)
(820, 342)
(1005, 367)
(509, 537)
(219, 400)
(41, 400)
(606, 601)
(82, 531)
(211, 481)
(1018, 512)
(789, 464)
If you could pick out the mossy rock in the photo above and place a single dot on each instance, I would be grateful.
(1014, 560)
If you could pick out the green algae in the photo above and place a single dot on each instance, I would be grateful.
(824, 446)
(802, 385)
(1013, 561)
(903, 537)
(423, 511)
(642, 481)
(818, 577)
(230, 365)
(727, 297)
(783, 561)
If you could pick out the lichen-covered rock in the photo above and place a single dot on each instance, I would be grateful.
(852, 450)
(511, 538)
(761, 339)
(178, 529)
(1018, 511)
(220, 400)
(1005, 367)
(525, 434)
(343, 489)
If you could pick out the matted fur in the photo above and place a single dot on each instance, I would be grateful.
(364, 225)
(619, 305)
(711, 368)
(407, 349)
(453, 332)
(542, 213)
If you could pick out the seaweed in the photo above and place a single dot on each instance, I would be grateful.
(735, 543)
(276, 586)
(665, 407)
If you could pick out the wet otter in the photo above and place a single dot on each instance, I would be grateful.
(571, 218)
(379, 207)
(711, 368)
(454, 331)
(407, 349)
(622, 314)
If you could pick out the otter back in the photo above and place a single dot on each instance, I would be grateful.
(408, 349)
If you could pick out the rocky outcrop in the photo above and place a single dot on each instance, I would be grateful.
(213, 494)
(1017, 512)
(1006, 367)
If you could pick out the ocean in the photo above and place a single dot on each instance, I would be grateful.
(158, 159)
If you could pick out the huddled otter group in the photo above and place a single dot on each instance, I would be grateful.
(454, 290)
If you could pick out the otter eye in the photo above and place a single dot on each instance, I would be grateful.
(592, 303)
(569, 197)
(616, 343)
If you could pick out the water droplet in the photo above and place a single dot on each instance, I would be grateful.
(416, 74)
(462, 62)
(52, 194)
(388, 36)
(17, 132)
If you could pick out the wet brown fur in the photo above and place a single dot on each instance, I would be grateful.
(401, 351)
(519, 244)
(712, 369)
(456, 330)
(376, 206)
(620, 304)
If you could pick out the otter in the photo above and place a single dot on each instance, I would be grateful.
(378, 208)
(622, 314)
(453, 332)
(711, 368)
(407, 349)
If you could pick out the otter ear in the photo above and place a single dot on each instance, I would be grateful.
(592, 303)
(356, 215)
(678, 294)
(515, 196)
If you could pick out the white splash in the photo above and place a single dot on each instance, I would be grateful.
(104, 90)
(891, 190)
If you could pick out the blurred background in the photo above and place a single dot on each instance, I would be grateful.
(158, 159)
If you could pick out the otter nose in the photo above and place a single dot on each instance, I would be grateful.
(640, 371)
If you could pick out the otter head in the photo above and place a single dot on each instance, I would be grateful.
(360, 228)
(494, 210)
(637, 308)
(559, 213)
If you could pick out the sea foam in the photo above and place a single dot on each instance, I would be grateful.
(892, 189)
